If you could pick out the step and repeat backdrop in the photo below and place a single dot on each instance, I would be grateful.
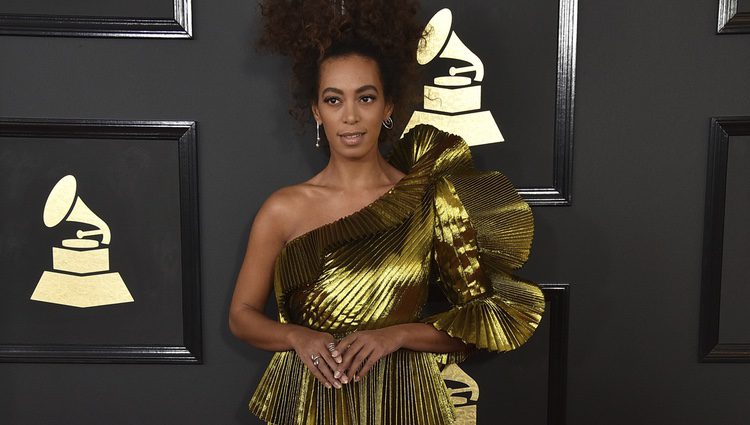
(101, 241)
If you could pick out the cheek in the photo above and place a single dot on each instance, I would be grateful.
(373, 111)
(326, 115)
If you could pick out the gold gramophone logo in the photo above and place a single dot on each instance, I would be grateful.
(464, 393)
(80, 275)
(453, 102)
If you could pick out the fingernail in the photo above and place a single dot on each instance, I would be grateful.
(356, 378)
(344, 379)
(327, 385)
(337, 385)
(338, 360)
(336, 374)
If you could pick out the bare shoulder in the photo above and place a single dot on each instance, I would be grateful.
(289, 199)
(283, 209)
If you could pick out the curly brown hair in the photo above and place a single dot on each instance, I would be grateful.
(311, 31)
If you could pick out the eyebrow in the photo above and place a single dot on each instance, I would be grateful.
(359, 90)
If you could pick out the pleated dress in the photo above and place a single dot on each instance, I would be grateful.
(444, 225)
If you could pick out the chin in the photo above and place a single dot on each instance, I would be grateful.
(351, 152)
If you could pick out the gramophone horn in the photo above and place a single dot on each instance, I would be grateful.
(63, 204)
(440, 40)
(59, 201)
(436, 33)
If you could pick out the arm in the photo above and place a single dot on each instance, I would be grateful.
(424, 337)
(372, 345)
(247, 319)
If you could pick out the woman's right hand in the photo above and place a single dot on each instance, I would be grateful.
(309, 344)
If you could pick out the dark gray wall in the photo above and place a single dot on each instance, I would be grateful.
(650, 74)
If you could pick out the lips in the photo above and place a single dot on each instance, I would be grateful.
(352, 137)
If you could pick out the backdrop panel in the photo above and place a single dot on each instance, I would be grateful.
(98, 255)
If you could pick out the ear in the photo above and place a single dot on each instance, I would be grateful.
(315, 112)
(388, 110)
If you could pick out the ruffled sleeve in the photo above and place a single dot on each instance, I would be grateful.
(482, 233)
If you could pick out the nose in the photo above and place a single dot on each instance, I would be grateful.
(351, 113)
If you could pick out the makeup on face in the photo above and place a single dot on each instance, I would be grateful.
(351, 104)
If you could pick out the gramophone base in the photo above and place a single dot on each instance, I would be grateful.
(81, 291)
(476, 128)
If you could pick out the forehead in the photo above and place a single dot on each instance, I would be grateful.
(349, 72)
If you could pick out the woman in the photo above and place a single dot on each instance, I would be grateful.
(352, 252)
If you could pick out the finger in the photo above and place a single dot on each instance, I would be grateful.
(344, 344)
(329, 367)
(334, 353)
(326, 371)
(371, 360)
(358, 362)
(348, 358)
(355, 363)
(316, 372)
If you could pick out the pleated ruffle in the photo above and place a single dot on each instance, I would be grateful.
(402, 388)
(501, 321)
(483, 230)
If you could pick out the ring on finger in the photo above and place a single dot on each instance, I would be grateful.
(315, 359)
(331, 346)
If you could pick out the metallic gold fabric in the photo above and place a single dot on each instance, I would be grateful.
(372, 269)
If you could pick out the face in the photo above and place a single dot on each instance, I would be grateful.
(351, 105)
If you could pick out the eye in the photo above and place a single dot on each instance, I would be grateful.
(331, 100)
(368, 98)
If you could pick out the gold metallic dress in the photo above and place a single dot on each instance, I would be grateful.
(445, 224)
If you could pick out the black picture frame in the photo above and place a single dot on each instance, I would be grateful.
(183, 134)
(730, 20)
(542, 192)
(179, 26)
(558, 296)
(560, 192)
(711, 349)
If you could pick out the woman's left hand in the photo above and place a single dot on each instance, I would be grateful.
(362, 349)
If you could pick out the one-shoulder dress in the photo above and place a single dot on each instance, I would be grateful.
(443, 225)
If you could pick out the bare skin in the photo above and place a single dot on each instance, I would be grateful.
(351, 106)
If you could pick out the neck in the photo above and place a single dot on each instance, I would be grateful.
(371, 170)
